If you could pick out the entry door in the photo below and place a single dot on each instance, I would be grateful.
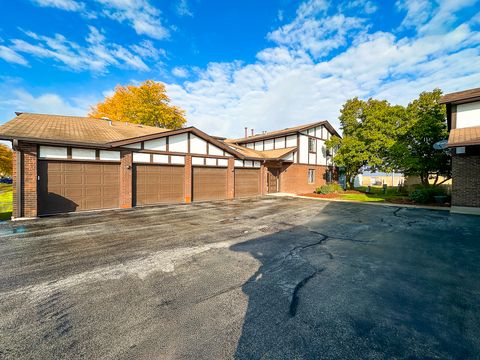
(273, 180)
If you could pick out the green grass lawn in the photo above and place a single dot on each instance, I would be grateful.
(6, 200)
(376, 195)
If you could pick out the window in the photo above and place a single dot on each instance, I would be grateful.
(311, 176)
(328, 176)
(312, 145)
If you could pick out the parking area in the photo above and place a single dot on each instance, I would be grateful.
(253, 278)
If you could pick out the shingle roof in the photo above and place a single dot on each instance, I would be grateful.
(464, 136)
(471, 94)
(266, 154)
(286, 131)
(72, 129)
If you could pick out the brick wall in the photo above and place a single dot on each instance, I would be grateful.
(27, 153)
(126, 177)
(466, 180)
(231, 178)
(294, 178)
(188, 179)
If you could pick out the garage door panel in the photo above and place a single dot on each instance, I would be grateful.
(75, 186)
(247, 182)
(209, 183)
(159, 184)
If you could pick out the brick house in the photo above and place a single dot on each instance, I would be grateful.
(463, 118)
(68, 164)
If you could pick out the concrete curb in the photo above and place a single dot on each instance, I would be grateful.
(364, 202)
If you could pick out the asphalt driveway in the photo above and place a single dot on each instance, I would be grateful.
(272, 278)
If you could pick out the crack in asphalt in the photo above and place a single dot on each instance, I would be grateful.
(295, 296)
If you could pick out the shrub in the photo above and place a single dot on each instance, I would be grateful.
(329, 189)
(423, 195)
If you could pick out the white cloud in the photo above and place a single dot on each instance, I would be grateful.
(180, 72)
(12, 56)
(289, 85)
(141, 15)
(95, 56)
(183, 9)
(68, 5)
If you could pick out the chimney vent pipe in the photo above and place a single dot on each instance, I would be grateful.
(252, 132)
(246, 131)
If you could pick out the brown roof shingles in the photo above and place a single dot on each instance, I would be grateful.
(72, 129)
(461, 96)
(266, 154)
(464, 136)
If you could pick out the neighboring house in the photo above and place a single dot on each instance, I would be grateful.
(379, 179)
(463, 118)
(66, 164)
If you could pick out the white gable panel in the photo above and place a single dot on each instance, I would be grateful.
(259, 145)
(178, 143)
(160, 159)
(268, 144)
(289, 157)
(211, 161)
(198, 160)
(157, 144)
(248, 163)
(83, 154)
(321, 152)
(292, 141)
(134, 146)
(250, 145)
(141, 158)
(256, 164)
(280, 143)
(177, 159)
(318, 131)
(312, 158)
(303, 158)
(110, 155)
(53, 152)
(213, 150)
(238, 163)
(468, 115)
(197, 145)
(222, 162)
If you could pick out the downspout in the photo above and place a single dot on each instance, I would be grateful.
(18, 178)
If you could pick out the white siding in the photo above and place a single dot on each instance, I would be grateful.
(141, 158)
(256, 164)
(238, 163)
(83, 154)
(312, 158)
(109, 155)
(280, 143)
(157, 144)
(211, 161)
(321, 152)
(292, 141)
(178, 143)
(468, 115)
(198, 161)
(161, 159)
(53, 152)
(177, 159)
(250, 145)
(318, 131)
(222, 162)
(303, 158)
(289, 157)
(269, 144)
(213, 150)
(197, 145)
(311, 131)
(248, 163)
(259, 145)
(134, 146)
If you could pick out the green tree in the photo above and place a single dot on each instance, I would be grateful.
(6, 155)
(369, 130)
(146, 104)
(413, 152)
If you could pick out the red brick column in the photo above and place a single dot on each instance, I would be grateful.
(25, 181)
(126, 179)
(188, 179)
(263, 179)
(231, 178)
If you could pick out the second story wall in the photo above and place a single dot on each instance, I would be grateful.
(467, 115)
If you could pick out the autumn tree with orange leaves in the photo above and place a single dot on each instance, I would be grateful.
(146, 104)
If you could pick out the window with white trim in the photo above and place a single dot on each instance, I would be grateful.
(312, 145)
(311, 176)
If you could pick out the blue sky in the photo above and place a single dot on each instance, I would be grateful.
(229, 64)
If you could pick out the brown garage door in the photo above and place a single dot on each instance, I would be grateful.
(247, 182)
(209, 183)
(77, 186)
(157, 184)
